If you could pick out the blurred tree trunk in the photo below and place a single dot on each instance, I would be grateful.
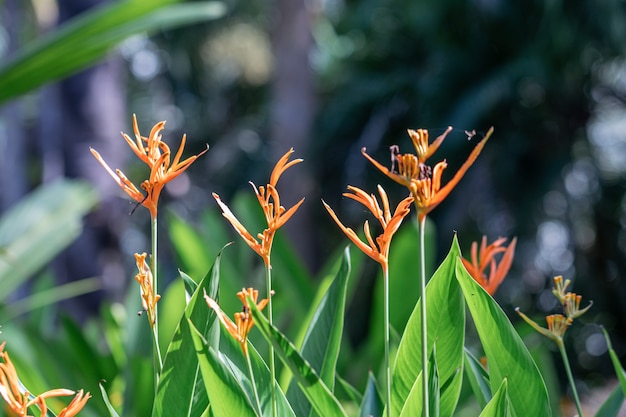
(292, 112)
(87, 109)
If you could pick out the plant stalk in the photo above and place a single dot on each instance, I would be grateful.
(424, 321)
(570, 377)
(386, 321)
(253, 382)
(158, 362)
(268, 278)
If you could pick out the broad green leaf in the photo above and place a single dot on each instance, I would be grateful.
(234, 357)
(343, 386)
(226, 397)
(478, 379)
(38, 227)
(619, 370)
(177, 393)
(612, 406)
(446, 325)
(90, 36)
(320, 396)
(507, 357)
(372, 404)
(499, 404)
(414, 404)
(323, 338)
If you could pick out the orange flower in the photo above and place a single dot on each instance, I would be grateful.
(424, 182)
(275, 214)
(497, 272)
(156, 154)
(146, 284)
(243, 320)
(19, 400)
(378, 250)
(557, 325)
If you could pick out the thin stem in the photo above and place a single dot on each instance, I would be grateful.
(386, 320)
(424, 321)
(268, 279)
(570, 377)
(253, 382)
(158, 362)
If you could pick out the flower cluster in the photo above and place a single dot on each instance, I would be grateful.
(149, 297)
(485, 258)
(19, 400)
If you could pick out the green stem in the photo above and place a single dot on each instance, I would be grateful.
(158, 362)
(268, 279)
(424, 321)
(570, 377)
(386, 321)
(253, 382)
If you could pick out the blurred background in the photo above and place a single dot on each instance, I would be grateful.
(329, 77)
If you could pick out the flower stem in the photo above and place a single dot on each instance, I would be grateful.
(570, 377)
(386, 321)
(158, 362)
(268, 278)
(424, 321)
(253, 382)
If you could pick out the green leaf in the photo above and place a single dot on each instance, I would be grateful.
(40, 226)
(372, 404)
(323, 337)
(507, 357)
(612, 405)
(414, 403)
(109, 406)
(320, 396)
(177, 393)
(478, 379)
(90, 36)
(619, 370)
(233, 356)
(446, 324)
(499, 404)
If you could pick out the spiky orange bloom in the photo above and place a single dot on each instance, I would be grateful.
(146, 284)
(378, 250)
(156, 154)
(243, 323)
(486, 258)
(19, 400)
(572, 305)
(424, 182)
(275, 214)
(557, 325)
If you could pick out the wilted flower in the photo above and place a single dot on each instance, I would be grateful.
(156, 154)
(485, 258)
(423, 181)
(243, 323)
(275, 214)
(377, 250)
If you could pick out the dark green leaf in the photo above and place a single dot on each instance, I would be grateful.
(372, 404)
(478, 379)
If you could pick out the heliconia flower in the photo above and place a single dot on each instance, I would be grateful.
(378, 250)
(19, 400)
(572, 305)
(243, 323)
(560, 288)
(146, 284)
(275, 214)
(485, 258)
(557, 325)
(423, 181)
(156, 154)
(77, 404)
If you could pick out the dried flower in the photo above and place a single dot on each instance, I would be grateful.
(485, 258)
(243, 323)
(424, 182)
(377, 250)
(19, 400)
(156, 154)
(275, 214)
(149, 297)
